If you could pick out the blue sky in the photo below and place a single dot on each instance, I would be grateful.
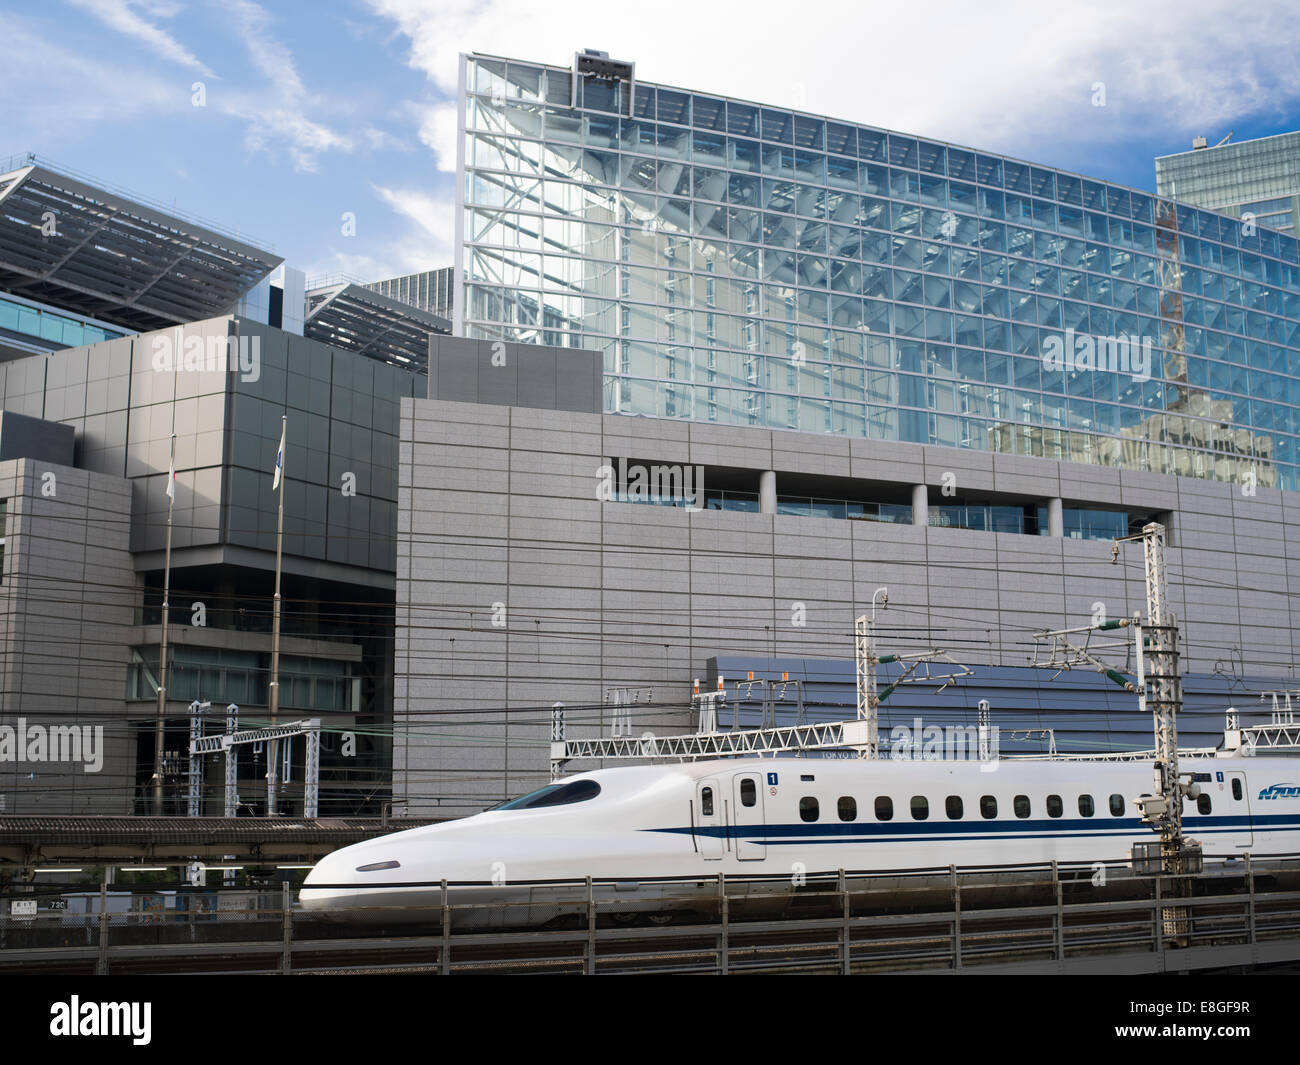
(313, 110)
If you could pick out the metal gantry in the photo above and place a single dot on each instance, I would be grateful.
(1159, 688)
(827, 735)
(228, 741)
(1281, 733)
(772, 692)
(230, 804)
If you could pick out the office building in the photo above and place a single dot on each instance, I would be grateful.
(1257, 181)
(891, 362)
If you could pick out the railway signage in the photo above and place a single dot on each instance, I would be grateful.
(24, 908)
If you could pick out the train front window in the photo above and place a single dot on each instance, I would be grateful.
(554, 795)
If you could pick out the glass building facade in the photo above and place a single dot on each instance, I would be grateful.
(38, 326)
(1258, 177)
(750, 265)
(430, 291)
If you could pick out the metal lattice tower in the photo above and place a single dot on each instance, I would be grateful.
(1164, 677)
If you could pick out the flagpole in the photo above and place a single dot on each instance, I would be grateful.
(159, 738)
(272, 746)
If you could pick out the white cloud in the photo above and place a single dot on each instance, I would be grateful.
(1003, 76)
(120, 15)
(63, 92)
(432, 246)
(277, 113)
(438, 134)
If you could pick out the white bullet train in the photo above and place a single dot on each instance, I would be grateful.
(754, 818)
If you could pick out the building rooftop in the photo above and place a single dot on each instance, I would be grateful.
(83, 247)
(347, 315)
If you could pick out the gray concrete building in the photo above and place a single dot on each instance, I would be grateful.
(520, 584)
(222, 386)
(67, 606)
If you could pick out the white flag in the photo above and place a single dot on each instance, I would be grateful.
(171, 481)
(279, 459)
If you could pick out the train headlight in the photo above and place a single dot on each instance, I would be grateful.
(374, 867)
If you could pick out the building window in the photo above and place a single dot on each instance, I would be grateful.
(809, 810)
(241, 677)
(884, 808)
(988, 807)
(847, 808)
(920, 808)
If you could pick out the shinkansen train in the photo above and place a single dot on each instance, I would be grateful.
(759, 819)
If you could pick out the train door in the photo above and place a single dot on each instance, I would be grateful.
(747, 804)
(1236, 803)
(709, 821)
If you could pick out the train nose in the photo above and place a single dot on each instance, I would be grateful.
(351, 877)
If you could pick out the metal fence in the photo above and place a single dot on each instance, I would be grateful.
(985, 920)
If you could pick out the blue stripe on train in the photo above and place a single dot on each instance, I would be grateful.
(856, 832)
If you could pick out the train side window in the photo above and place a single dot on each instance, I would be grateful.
(1022, 805)
(884, 808)
(847, 808)
(1086, 806)
(1203, 804)
(920, 808)
(748, 792)
(988, 806)
(809, 810)
(706, 802)
(953, 807)
(1236, 788)
(1054, 806)
(1117, 806)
